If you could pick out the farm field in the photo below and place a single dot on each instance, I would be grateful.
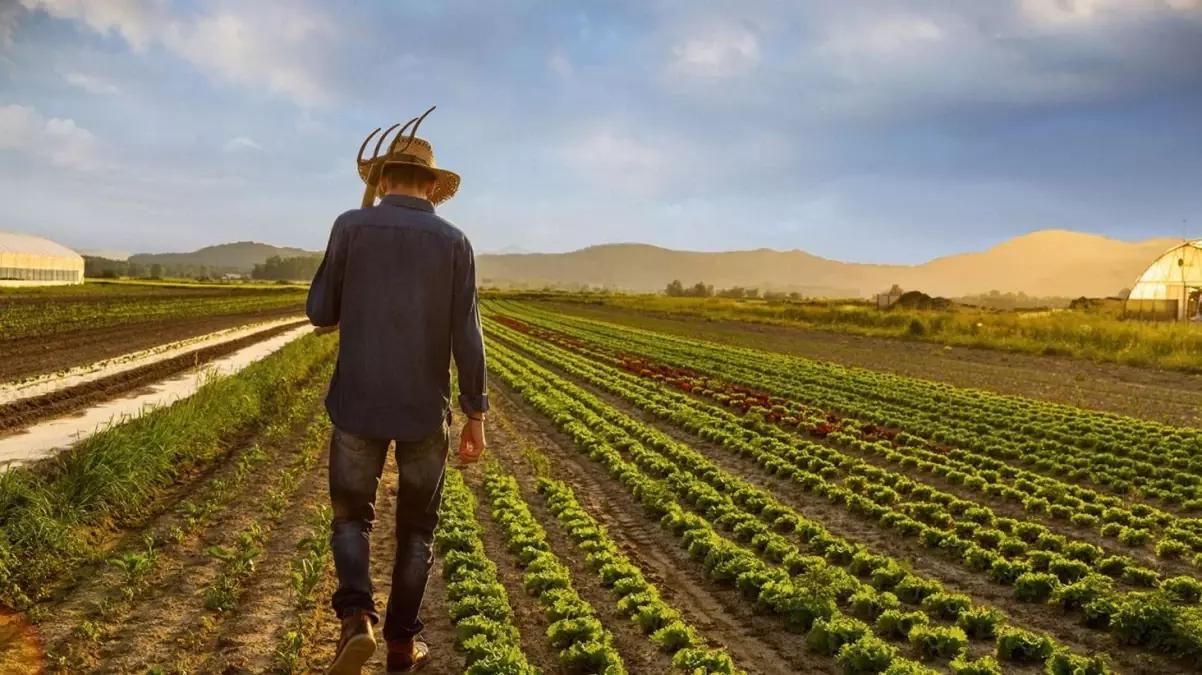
(652, 503)
(1169, 396)
(50, 330)
(1098, 334)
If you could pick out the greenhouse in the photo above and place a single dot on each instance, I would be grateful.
(1170, 287)
(26, 260)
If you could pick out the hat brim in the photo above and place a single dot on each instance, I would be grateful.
(446, 183)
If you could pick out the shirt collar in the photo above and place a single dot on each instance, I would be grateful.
(408, 202)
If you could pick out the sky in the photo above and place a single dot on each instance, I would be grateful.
(870, 131)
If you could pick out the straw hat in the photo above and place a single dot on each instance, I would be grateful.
(404, 150)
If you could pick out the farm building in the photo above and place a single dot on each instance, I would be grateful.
(1171, 286)
(26, 260)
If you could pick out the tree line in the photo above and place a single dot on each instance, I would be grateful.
(676, 289)
(113, 269)
(275, 268)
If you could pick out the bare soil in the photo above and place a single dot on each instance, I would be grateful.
(1166, 396)
(24, 357)
(29, 411)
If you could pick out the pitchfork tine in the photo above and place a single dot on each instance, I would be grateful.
(366, 141)
(399, 134)
(413, 134)
(376, 153)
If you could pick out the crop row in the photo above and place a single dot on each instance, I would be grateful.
(637, 598)
(237, 563)
(585, 645)
(807, 590)
(939, 519)
(48, 516)
(1142, 440)
(1063, 573)
(1120, 454)
(44, 319)
(478, 604)
(1039, 494)
(307, 572)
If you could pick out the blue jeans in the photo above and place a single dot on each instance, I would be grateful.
(356, 463)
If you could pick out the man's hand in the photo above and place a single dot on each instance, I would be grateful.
(322, 330)
(471, 441)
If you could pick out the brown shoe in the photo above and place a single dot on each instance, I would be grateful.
(355, 647)
(406, 656)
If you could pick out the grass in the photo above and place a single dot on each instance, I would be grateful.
(1091, 335)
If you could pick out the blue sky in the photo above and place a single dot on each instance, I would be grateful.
(875, 130)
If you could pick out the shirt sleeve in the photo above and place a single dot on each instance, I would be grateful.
(467, 339)
(324, 305)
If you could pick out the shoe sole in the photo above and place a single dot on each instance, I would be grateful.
(353, 656)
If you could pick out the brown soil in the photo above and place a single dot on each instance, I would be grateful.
(25, 412)
(24, 357)
(248, 638)
(1166, 396)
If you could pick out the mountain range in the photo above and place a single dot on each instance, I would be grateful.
(1045, 263)
(241, 256)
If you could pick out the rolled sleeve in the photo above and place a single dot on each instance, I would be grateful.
(467, 338)
(324, 304)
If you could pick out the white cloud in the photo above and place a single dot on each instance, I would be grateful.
(91, 84)
(241, 143)
(269, 49)
(242, 43)
(605, 154)
(1069, 12)
(721, 51)
(560, 65)
(60, 141)
(892, 37)
(136, 21)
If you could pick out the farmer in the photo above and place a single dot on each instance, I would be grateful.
(399, 283)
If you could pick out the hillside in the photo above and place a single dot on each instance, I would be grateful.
(1046, 263)
(241, 256)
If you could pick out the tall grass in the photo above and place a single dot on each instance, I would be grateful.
(52, 516)
(1083, 334)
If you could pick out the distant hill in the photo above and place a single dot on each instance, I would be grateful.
(241, 256)
(1047, 263)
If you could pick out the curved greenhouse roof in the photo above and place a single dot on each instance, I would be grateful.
(26, 259)
(1171, 286)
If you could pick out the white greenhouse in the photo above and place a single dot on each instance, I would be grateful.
(26, 260)
(1170, 287)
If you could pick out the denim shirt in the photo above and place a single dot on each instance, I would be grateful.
(400, 282)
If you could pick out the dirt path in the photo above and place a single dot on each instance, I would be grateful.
(757, 643)
(1166, 396)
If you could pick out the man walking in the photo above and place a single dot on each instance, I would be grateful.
(399, 283)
